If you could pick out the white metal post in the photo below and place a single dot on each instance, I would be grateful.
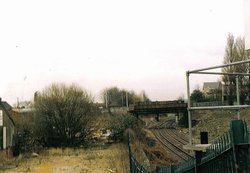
(4, 138)
(238, 95)
(189, 111)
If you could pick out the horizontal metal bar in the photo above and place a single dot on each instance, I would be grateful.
(219, 66)
(235, 107)
(220, 73)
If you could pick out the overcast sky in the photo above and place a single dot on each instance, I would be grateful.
(135, 45)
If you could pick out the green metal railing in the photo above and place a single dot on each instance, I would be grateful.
(188, 166)
(219, 146)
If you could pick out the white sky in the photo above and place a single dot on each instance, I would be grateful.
(132, 44)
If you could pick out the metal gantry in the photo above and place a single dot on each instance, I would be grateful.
(206, 71)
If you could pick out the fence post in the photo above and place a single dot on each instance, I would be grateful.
(204, 137)
(130, 155)
(157, 169)
(242, 157)
(241, 145)
(198, 154)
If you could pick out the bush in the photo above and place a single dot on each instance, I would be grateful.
(119, 124)
(63, 115)
(25, 140)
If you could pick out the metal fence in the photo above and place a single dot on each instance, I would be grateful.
(219, 146)
(212, 103)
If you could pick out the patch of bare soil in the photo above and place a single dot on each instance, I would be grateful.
(149, 151)
(106, 159)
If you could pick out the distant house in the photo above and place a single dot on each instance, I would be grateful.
(213, 90)
(7, 127)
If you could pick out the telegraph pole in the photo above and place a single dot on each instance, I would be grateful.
(127, 99)
(106, 99)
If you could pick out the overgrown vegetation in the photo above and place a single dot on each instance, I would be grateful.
(119, 124)
(199, 96)
(148, 151)
(115, 97)
(63, 116)
(25, 139)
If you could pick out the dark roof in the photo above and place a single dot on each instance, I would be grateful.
(7, 106)
(5, 109)
(212, 85)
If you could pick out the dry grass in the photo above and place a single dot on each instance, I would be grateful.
(111, 159)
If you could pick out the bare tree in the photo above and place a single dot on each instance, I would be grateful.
(63, 115)
(114, 96)
(235, 51)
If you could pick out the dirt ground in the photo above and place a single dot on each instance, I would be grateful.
(105, 159)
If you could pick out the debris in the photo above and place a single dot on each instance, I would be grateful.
(111, 171)
(34, 155)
